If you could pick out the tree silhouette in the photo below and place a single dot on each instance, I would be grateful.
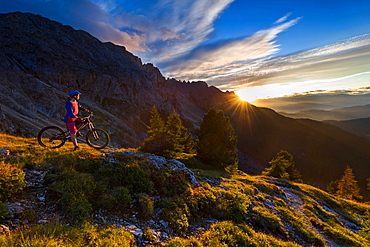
(217, 141)
(282, 166)
(167, 139)
(348, 187)
(156, 136)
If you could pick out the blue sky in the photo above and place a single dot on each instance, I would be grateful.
(259, 49)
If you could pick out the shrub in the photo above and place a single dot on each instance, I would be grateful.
(201, 200)
(3, 211)
(233, 205)
(176, 212)
(146, 205)
(11, 180)
(171, 182)
(28, 215)
(133, 175)
(180, 242)
(118, 199)
(75, 188)
(148, 234)
(178, 219)
(227, 234)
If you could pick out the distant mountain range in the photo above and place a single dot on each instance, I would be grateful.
(346, 113)
(42, 59)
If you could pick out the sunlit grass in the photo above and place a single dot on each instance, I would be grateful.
(61, 235)
(252, 210)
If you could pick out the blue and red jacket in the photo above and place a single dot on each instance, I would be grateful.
(72, 110)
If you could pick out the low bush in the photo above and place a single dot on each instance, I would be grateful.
(227, 234)
(232, 205)
(176, 212)
(132, 175)
(148, 234)
(75, 189)
(11, 180)
(116, 200)
(28, 215)
(171, 182)
(146, 205)
(180, 242)
(3, 211)
(201, 201)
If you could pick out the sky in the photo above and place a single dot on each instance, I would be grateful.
(264, 50)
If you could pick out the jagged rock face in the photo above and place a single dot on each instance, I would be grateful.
(42, 59)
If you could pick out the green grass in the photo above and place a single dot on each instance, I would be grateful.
(61, 235)
(251, 210)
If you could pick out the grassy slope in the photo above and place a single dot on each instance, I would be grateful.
(250, 210)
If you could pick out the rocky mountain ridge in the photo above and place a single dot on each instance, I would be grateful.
(42, 59)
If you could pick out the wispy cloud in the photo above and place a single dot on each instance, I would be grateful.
(282, 19)
(226, 58)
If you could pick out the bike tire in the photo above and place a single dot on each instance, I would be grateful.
(51, 137)
(97, 138)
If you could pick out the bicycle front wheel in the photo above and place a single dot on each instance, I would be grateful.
(97, 138)
(51, 137)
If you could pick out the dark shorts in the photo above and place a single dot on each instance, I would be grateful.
(73, 126)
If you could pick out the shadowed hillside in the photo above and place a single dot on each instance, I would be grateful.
(357, 126)
(42, 59)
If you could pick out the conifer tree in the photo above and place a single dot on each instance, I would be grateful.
(348, 187)
(282, 166)
(217, 141)
(332, 187)
(156, 134)
(156, 129)
(175, 134)
(167, 139)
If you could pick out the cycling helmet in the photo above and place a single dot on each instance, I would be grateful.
(73, 92)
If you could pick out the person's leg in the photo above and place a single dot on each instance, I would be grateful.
(74, 141)
(72, 130)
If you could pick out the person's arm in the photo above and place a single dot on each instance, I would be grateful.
(84, 109)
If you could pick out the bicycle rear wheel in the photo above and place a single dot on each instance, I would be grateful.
(51, 137)
(97, 138)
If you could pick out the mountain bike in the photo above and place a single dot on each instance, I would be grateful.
(55, 137)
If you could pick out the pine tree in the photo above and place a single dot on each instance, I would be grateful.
(282, 166)
(175, 134)
(348, 187)
(168, 139)
(156, 132)
(332, 187)
(217, 141)
(156, 129)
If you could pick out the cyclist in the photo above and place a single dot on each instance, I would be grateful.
(71, 118)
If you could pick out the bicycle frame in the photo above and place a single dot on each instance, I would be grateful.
(96, 138)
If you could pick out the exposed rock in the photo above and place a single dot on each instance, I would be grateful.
(4, 153)
(4, 230)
